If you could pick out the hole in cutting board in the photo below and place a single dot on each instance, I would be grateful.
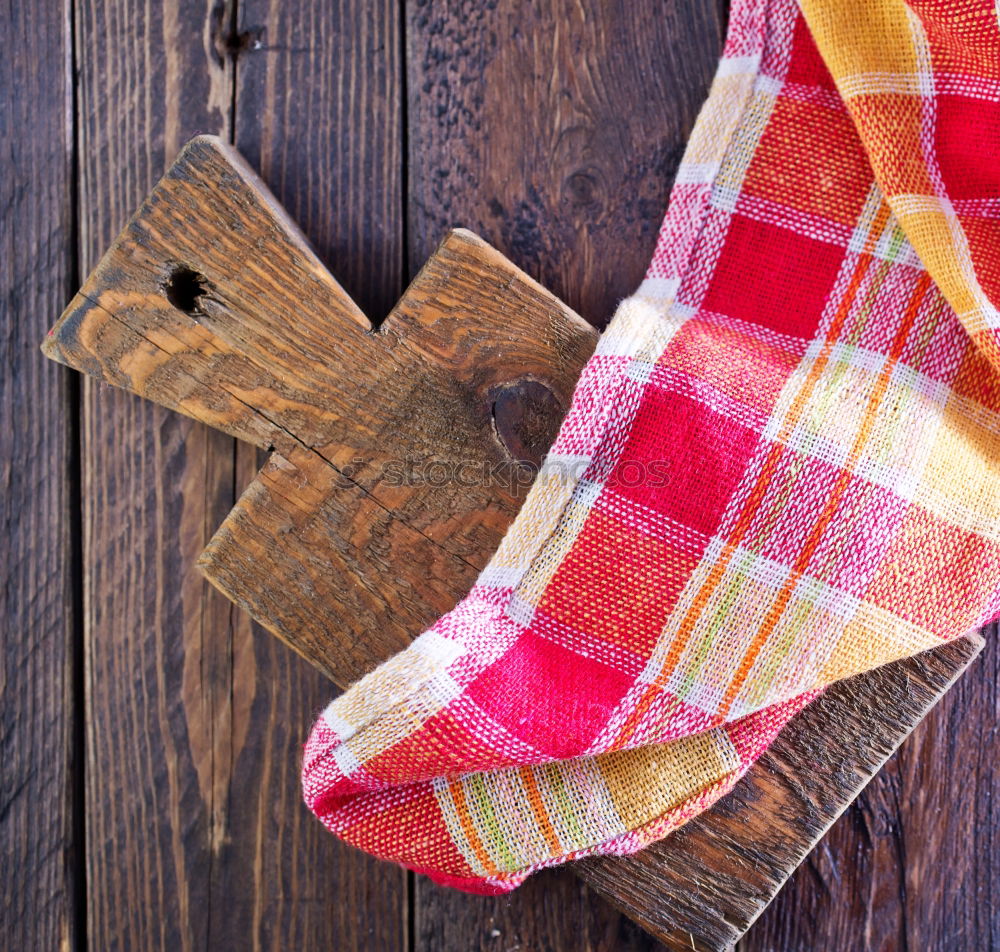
(184, 288)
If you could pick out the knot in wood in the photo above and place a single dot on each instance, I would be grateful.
(526, 415)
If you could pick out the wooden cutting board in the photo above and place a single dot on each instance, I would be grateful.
(398, 458)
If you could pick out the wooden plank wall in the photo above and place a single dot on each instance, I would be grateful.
(150, 734)
(39, 617)
(194, 720)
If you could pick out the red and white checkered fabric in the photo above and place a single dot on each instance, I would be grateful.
(780, 468)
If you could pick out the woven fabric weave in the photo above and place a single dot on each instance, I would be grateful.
(780, 468)
(919, 78)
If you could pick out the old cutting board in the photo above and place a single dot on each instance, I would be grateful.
(399, 457)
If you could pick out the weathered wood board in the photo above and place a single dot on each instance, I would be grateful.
(212, 303)
(372, 515)
(41, 839)
(195, 836)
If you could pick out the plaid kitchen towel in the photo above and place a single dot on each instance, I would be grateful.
(780, 468)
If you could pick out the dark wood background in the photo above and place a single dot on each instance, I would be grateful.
(149, 794)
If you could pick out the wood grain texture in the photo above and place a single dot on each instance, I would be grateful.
(40, 845)
(324, 177)
(551, 912)
(305, 74)
(553, 130)
(196, 837)
(913, 865)
(274, 351)
(335, 524)
(152, 481)
(704, 885)
(914, 862)
(389, 447)
(319, 114)
(312, 75)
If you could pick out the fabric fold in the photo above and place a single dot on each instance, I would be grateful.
(920, 79)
